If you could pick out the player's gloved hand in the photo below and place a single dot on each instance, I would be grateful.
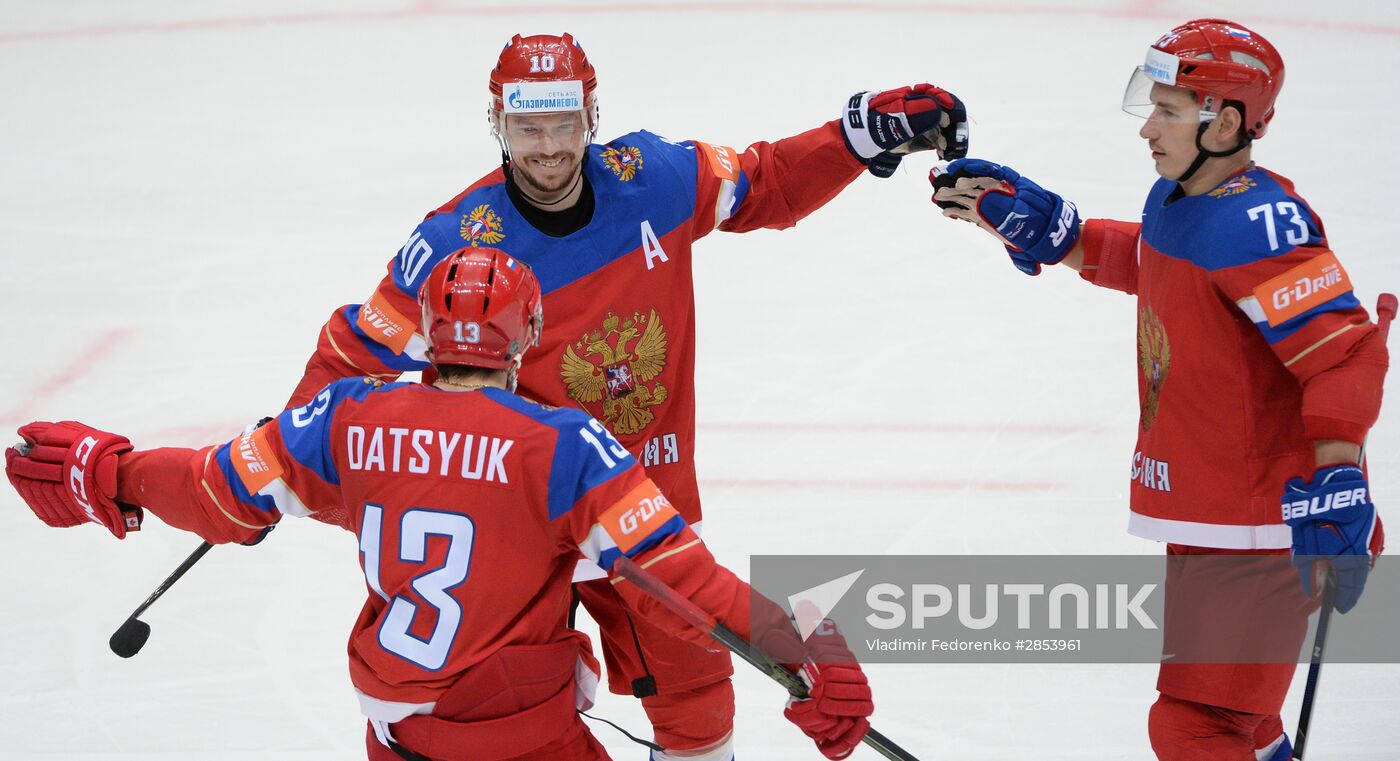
(1036, 226)
(836, 715)
(880, 127)
(1333, 518)
(67, 474)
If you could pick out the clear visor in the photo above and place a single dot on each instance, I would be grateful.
(544, 133)
(1149, 98)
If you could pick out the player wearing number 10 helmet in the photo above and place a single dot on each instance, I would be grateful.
(472, 506)
(608, 228)
(1260, 372)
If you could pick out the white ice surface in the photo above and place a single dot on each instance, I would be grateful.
(195, 186)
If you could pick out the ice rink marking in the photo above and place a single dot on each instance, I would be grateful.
(1143, 10)
(98, 349)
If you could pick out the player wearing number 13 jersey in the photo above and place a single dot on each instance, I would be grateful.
(608, 228)
(472, 506)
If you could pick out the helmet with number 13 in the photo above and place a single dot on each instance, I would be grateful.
(481, 308)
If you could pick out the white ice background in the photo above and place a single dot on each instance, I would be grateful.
(188, 189)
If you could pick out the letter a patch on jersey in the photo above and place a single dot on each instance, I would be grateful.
(1315, 281)
(637, 516)
(254, 461)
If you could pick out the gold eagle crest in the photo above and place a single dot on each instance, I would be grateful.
(1234, 187)
(629, 354)
(482, 226)
(624, 162)
(1155, 360)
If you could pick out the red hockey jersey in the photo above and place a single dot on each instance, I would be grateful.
(471, 510)
(619, 306)
(1251, 346)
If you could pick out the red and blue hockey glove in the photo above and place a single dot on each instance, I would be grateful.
(1333, 520)
(880, 127)
(1036, 226)
(67, 474)
(836, 715)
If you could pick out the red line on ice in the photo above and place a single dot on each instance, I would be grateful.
(97, 350)
(1140, 9)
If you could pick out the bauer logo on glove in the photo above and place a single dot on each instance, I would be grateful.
(1333, 521)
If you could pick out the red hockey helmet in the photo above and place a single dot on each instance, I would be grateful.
(1219, 61)
(541, 74)
(481, 308)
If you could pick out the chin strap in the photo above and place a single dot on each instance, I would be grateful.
(1202, 154)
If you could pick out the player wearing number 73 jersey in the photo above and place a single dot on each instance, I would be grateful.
(472, 506)
(1259, 371)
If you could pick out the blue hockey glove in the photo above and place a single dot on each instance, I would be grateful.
(1036, 226)
(880, 127)
(1334, 519)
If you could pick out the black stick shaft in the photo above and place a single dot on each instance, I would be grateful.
(1324, 616)
(697, 618)
(1386, 307)
(172, 578)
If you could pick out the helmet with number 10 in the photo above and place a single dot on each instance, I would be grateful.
(542, 74)
(481, 308)
(1222, 63)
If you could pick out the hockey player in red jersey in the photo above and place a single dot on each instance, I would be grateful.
(471, 505)
(608, 228)
(1260, 371)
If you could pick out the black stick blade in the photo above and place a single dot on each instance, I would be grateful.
(130, 637)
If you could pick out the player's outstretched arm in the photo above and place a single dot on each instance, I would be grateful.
(776, 184)
(70, 473)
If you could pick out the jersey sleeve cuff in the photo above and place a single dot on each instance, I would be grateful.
(1110, 254)
(1331, 429)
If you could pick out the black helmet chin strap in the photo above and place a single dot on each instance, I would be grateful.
(1202, 154)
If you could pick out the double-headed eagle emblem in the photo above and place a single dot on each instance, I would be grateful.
(623, 162)
(1155, 359)
(629, 354)
(482, 226)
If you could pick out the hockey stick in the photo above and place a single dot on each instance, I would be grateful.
(1385, 312)
(736, 644)
(131, 636)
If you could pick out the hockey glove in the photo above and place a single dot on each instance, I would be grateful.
(880, 127)
(1036, 226)
(836, 715)
(67, 474)
(1334, 521)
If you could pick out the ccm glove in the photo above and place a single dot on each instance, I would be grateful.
(836, 713)
(67, 474)
(1333, 520)
(1036, 226)
(880, 127)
